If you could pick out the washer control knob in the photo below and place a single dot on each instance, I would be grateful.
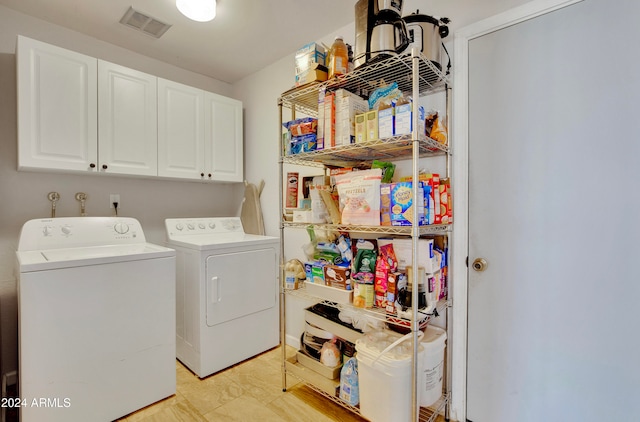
(212, 225)
(46, 230)
(190, 226)
(180, 226)
(121, 228)
(202, 226)
(66, 229)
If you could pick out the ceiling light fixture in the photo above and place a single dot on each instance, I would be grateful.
(197, 10)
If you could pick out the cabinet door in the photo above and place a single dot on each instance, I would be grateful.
(127, 126)
(223, 138)
(57, 107)
(180, 130)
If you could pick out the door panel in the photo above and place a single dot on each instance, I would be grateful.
(552, 188)
(239, 284)
(180, 130)
(224, 140)
(128, 124)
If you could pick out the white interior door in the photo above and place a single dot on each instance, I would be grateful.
(553, 205)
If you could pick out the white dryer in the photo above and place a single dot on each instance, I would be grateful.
(96, 319)
(227, 292)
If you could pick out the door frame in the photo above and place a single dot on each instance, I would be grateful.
(460, 185)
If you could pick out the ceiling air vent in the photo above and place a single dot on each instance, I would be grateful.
(146, 24)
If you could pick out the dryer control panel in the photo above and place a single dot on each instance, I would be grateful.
(200, 226)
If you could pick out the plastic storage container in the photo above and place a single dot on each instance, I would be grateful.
(431, 366)
(385, 378)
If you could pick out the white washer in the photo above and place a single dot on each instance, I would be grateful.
(96, 319)
(227, 292)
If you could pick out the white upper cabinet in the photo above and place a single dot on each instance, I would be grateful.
(57, 108)
(200, 134)
(128, 121)
(224, 139)
(180, 131)
(80, 114)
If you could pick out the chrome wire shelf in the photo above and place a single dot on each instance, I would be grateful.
(391, 230)
(367, 78)
(397, 147)
(374, 313)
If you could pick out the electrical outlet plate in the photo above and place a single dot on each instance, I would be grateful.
(114, 197)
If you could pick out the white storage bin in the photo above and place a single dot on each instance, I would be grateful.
(385, 379)
(431, 366)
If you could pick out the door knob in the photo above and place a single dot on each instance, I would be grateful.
(479, 264)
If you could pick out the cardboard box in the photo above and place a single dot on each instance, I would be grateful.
(309, 55)
(386, 122)
(372, 125)
(401, 202)
(302, 215)
(404, 120)
(329, 120)
(338, 277)
(361, 127)
(348, 105)
(402, 247)
(385, 204)
(317, 73)
(320, 128)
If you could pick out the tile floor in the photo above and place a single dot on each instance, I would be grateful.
(249, 391)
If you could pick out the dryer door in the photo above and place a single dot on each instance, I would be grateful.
(239, 284)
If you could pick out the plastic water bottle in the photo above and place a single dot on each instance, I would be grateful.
(339, 58)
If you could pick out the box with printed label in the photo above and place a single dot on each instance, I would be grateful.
(361, 127)
(329, 120)
(339, 277)
(309, 55)
(347, 106)
(385, 122)
(404, 119)
(372, 125)
(401, 202)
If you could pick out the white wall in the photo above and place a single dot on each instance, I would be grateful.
(23, 195)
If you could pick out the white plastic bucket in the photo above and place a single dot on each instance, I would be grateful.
(384, 381)
(431, 366)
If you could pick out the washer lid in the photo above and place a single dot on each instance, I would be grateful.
(49, 259)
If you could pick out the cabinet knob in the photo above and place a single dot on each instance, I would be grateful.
(92, 165)
(201, 174)
(209, 175)
(104, 166)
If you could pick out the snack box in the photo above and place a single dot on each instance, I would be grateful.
(401, 204)
(336, 276)
(385, 204)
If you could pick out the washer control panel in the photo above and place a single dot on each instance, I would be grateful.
(71, 232)
(200, 226)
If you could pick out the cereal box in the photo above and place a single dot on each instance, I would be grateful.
(402, 204)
